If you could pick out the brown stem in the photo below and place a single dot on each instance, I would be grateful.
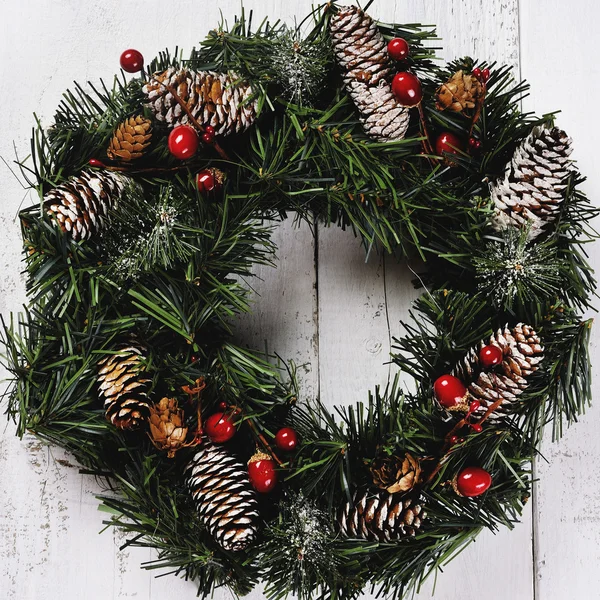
(427, 147)
(194, 121)
(266, 444)
(480, 102)
(196, 391)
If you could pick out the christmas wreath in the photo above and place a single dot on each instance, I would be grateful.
(157, 198)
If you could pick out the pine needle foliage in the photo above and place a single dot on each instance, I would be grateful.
(167, 272)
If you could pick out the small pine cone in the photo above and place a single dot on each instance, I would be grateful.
(131, 138)
(216, 99)
(381, 517)
(396, 473)
(361, 53)
(224, 498)
(522, 354)
(533, 186)
(124, 388)
(459, 93)
(82, 204)
(167, 426)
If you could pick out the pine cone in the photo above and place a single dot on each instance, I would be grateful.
(224, 498)
(459, 93)
(124, 388)
(214, 99)
(522, 354)
(533, 186)
(131, 138)
(361, 53)
(167, 426)
(82, 204)
(396, 473)
(381, 517)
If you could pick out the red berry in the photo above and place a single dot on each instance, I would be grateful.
(398, 49)
(210, 130)
(485, 74)
(407, 89)
(209, 180)
(490, 356)
(474, 406)
(448, 142)
(453, 439)
(286, 439)
(183, 142)
(208, 138)
(262, 473)
(472, 142)
(473, 481)
(477, 428)
(449, 391)
(223, 405)
(94, 162)
(132, 61)
(219, 428)
(476, 72)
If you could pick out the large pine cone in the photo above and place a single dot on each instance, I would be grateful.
(396, 473)
(381, 517)
(522, 353)
(124, 388)
(82, 204)
(216, 99)
(224, 498)
(361, 53)
(459, 93)
(131, 138)
(534, 185)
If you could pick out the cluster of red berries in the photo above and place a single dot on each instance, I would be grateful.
(451, 393)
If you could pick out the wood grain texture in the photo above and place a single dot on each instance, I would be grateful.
(559, 39)
(338, 332)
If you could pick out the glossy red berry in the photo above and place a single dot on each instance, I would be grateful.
(286, 439)
(262, 473)
(132, 61)
(448, 142)
(407, 89)
(476, 73)
(183, 142)
(473, 481)
(490, 356)
(476, 427)
(453, 439)
(209, 180)
(474, 406)
(449, 391)
(398, 49)
(219, 428)
(208, 138)
(94, 162)
(485, 74)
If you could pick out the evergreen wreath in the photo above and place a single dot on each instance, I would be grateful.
(158, 195)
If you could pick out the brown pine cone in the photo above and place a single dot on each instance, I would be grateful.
(459, 93)
(131, 138)
(396, 473)
(381, 517)
(361, 53)
(522, 352)
(167, 427)
(216, 99)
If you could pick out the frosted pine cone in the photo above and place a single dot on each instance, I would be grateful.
(223, 495)
(533, 186)
(522, 352)
(124, 387)
(82, 204)
(216, 99)
(361, 53)
(381, 517)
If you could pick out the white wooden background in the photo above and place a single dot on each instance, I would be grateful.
(340, 330)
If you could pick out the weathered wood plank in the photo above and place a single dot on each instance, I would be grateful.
(558, 40)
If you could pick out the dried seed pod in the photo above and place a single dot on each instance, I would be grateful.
(459, 93)
(131, 138)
